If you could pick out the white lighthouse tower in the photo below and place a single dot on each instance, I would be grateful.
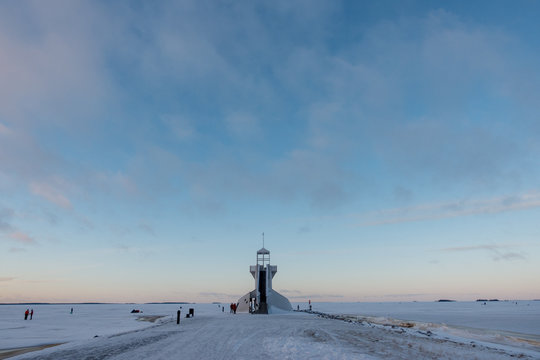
(264, 299)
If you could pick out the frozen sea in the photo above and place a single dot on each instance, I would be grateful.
(510, 327)
(520, 318)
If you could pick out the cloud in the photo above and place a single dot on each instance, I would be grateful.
(180, 126)
(5, 216)
(147, 228)
(21, 238)
(402, 194)
(510, 256)
(243, 125)
(22, 157)
(51, 192)
(328, 196)
(474, 247)
(453, 67)
(497, 252)
(297, 294)
(404, 295)
(50, 217)
(11, 232)
(446, 210)
(218, 295)
(4, 130)
(208, 71)
(117, 182)
(285, 291)
(317, 252)
(50, 62)
(304, 230)
(310, 174)
(315, 296)
(6, 278)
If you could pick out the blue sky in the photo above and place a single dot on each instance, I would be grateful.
(388, 151)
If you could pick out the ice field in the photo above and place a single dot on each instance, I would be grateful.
(370, 331)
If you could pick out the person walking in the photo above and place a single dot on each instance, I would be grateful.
(71, 311)
(31, 314)
(26, 314)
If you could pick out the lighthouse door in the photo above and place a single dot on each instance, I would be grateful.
(262, 286)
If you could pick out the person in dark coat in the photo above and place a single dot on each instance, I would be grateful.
(26, 314)
(31, 314)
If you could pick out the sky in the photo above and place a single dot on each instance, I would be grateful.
(389, 150)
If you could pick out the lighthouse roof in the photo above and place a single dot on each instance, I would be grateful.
(263, 251)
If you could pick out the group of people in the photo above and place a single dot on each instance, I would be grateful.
(233, 308)
(28, 312)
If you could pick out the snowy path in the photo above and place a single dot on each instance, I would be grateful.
(287, 336)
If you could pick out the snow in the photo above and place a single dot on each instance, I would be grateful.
(512, 316)
(55, 323)
(441, 330)
(500, 322)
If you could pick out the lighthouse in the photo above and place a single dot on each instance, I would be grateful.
(264, 299)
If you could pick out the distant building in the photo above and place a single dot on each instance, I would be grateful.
(264, 299)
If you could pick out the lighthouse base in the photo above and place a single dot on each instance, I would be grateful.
(275, 302)
(263, 309)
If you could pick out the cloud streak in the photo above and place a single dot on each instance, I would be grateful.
(453, 209)
(315, 296)
(5, 217)
(51, 193)
(497, 252)
(218, 295)
(22, 238)
(297, 294)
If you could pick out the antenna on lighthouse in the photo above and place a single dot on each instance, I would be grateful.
(263, 239)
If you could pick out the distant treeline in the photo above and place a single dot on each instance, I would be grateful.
(43, 303)
(91, 303)
(170, 302)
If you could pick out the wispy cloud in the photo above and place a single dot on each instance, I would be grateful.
(4, 130)
(243, 125)
(218, 295)
(180, 126)
(21, 238)
(315, 296)
(297, 294)
(147, 228)
(497, 252)
(5, 217)
(316, 252)
(6, 278)
(303, 229)
(52, 193)
(404, 295)
(453, 209)
(285, 291)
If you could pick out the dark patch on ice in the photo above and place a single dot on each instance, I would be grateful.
(317, 335)
(103, 350)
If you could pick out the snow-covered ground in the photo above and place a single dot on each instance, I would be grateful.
(500, 330)
(56, 324)
(513, 316)
(501, 322)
